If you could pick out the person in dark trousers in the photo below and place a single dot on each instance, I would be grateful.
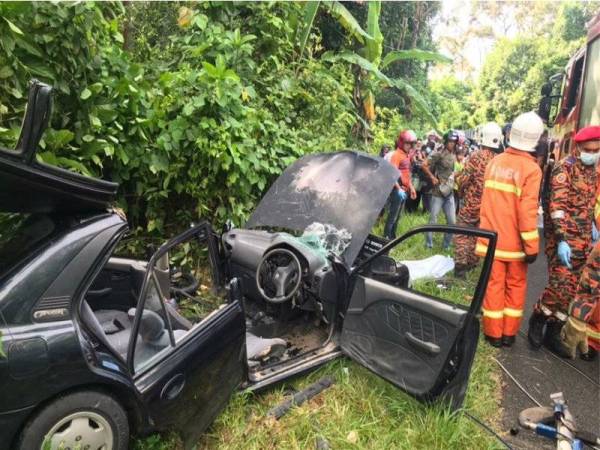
(470, 188)
(403, 189)
(412, 205)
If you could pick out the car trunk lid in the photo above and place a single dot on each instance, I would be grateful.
(32, 187)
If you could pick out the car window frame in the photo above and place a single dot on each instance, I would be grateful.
(204, 229)
(479, 291)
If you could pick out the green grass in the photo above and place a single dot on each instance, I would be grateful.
(360, 411)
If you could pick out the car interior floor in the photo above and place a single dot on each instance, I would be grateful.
(277, 333)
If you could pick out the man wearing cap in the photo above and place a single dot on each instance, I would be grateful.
(568, 229)
(509, 206)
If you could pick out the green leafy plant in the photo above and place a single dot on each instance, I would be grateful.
(367, 62)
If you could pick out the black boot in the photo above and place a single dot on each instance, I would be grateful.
(494, 342)
(535, 334)
(591, 355)
(460, 271)
(552, 338)
(508, 341)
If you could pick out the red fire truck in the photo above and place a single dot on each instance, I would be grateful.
(578, 104)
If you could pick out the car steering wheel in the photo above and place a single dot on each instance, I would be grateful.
(278, 275)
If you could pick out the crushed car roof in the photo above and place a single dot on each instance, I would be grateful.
(346, 189)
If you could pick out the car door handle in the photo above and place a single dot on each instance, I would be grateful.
(173, 387)
(99, 292)
(427, 347)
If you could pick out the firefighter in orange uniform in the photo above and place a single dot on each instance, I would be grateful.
(470, 188)
(569, 232)
(509, 206)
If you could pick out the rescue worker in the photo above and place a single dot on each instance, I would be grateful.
(459, 165)
(400, 159)
(470, 189)
(568, 231)
(509, 206)
(582, 329)
(439, 168)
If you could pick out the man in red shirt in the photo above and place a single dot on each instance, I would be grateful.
(401, 160)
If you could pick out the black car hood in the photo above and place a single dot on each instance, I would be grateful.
(346, 189)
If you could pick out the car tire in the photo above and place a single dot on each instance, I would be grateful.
(104, 419)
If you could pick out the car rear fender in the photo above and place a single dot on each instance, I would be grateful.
(139, 422)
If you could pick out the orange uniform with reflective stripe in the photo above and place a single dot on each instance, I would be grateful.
(509, 206)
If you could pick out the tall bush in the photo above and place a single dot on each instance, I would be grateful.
(194, 122)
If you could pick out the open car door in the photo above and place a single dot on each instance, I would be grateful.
(420, 335)
(187, 360)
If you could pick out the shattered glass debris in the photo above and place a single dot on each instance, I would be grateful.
(326, 239)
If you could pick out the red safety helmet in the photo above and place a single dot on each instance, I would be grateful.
(406, 136)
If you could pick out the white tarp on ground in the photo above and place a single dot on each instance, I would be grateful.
(435, 266)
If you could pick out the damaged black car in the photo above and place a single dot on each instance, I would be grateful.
(98, 346)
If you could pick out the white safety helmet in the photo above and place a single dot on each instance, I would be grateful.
(491, 135)
(526, 131)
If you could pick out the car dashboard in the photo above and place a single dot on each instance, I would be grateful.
(244, 249)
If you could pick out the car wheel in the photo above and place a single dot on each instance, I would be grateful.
(86, 420)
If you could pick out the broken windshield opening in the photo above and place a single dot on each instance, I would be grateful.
(326, 239)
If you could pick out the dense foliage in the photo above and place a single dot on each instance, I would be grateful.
(531, 42)
(517, 68)
(195, 119)
(195, 108)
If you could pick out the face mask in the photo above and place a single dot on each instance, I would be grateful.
(589, 159)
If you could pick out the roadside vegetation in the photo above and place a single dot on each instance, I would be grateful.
(531, 41)
(175, 101)
(196, 107)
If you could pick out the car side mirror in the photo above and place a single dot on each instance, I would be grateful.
(385, 269)
(544, 109)
(35, 121)
(546, 90)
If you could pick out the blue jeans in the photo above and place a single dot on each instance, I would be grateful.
(395, 208)
(426, 197)
(437, 204)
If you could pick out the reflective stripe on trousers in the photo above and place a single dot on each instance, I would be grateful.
(505, 298)
(481, 250)
(593, 333)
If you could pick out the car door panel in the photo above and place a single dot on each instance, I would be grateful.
(418, 342)
(396, 332)
(187, 383)
(194, 382)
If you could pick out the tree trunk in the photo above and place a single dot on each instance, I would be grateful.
(359, 130)
(127, 31)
